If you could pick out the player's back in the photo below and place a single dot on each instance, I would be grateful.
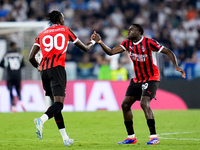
(13, 61)
(53, 43)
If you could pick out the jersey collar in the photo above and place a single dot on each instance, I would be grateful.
(139, 41)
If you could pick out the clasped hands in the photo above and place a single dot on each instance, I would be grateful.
(96, 37)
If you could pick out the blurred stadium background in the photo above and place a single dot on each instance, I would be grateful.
(174, 23)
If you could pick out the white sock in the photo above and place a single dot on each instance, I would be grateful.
(44, 118)
(131, 136)
(153, 135)
(64, 134)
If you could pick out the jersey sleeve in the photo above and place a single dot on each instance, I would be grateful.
(124, 44)
(37, 41)
(73, 38)
(155, 46)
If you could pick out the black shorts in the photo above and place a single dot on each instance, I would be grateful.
(54, 81)
(142, 89)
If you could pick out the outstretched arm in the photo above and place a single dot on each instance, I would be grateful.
(172, 57)
(85, 47)
(108, 50)
(81, 45)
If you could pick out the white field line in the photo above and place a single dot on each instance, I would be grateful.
(160, 136)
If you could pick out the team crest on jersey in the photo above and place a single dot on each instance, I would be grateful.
(143, 49)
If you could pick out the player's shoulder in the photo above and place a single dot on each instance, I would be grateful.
(147, 38)
(125, 41)
(151, 39)
(12, 54)
(59, 27)
(55, 28)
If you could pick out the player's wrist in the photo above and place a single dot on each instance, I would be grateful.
(99, 41)
(93, 42)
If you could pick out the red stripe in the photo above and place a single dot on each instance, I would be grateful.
(147, 58)
(137, 71)
(141, 62)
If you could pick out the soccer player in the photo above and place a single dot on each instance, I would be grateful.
(144, 85)
(13, 62)
(53, 43)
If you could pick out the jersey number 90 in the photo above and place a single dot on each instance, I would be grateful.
(53, 42)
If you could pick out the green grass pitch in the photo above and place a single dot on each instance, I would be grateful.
(101, 130)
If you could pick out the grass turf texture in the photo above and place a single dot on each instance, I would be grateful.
(101, 130)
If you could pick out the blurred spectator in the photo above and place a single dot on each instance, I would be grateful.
(20, 10)
(79, 5)
(3, 13)
(140, 19)
(191, 39)
(104, 68)
(178, 36)
(120, 74)
(7, 6)
(117, 17)
(192, 12)
(36, 11)
(85, 68)
(94, 5)
(110, 32)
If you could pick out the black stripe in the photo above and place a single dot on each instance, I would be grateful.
(125, 45)
(149, 57)
(139, 62)
(135, 70)
(39, 41)
(47, 63)
(154, 47)
(128, 45)
(70, 38)
(144, 63)
(58, 57)
(132, 51)
(52, 61)
(44, 63)
(72, 32)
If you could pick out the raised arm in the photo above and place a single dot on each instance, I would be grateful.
(172, 57)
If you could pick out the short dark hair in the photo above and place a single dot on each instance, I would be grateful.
(54, 17)
(139, 27)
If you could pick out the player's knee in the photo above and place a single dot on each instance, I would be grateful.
(125, 106)
(59, 105)
(144, 105)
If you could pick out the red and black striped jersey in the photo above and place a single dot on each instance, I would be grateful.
(53, 43)
(143, 57)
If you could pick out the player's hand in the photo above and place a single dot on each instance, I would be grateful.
(181, 71)
(93, 36)
(96, 37)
